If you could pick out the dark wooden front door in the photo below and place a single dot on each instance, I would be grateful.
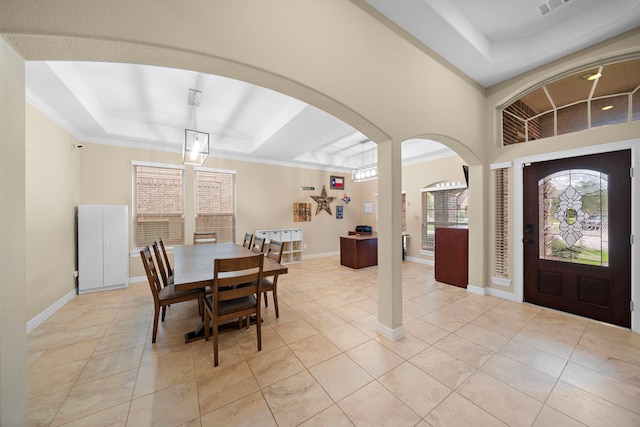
(577, 228)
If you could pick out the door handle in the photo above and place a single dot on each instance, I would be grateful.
(529, 241)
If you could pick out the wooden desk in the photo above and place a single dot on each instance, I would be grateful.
(193, 268)
(358, 251)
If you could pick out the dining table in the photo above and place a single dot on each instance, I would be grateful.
(193, 269)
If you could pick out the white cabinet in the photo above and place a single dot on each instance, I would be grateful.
(103, 247)
(291, 239)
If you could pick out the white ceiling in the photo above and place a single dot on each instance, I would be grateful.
(146, 107)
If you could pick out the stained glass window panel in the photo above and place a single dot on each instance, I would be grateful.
(573, 215)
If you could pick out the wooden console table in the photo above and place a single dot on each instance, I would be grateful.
(358, 251)
(452, 256)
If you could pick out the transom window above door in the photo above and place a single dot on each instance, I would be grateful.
(602, 94)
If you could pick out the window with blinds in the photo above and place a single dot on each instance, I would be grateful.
(444, 204)
(216, 204)
(158, 208)
(502, 223)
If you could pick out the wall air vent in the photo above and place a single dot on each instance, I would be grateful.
(549, 5)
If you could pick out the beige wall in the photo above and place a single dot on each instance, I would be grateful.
(50, 211)
(13, 342)
(265, 194)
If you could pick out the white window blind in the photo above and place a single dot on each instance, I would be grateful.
(443, 205)
(215, 204)
(502, 223)
(158, 209)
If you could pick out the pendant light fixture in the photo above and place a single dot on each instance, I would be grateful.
(365, 172)
(196, 144)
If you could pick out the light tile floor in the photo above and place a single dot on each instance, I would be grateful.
(465, 360)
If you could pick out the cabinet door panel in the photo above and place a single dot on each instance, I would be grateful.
(90, 249)
(116, 245)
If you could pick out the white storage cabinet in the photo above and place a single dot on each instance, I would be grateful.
(291, 239)
(103, 247)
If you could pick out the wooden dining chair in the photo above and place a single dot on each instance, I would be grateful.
(162, 297)
(167, 278)
(248, 239)
(165, 256)
(258, 245)
(204, 238)
(237, 286)
(274, 252)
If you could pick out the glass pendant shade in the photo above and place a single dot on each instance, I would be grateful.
(196, 147)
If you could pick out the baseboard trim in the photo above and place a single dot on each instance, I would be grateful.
(501, 294)
(420, 260)
(476, 290)
(33, 323)
(491, 292)
(391, 334)
(138, 279)
(321, 255)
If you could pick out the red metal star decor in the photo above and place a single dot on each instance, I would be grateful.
(323, 201)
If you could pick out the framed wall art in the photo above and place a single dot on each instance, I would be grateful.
(301, 212)
(336, 182)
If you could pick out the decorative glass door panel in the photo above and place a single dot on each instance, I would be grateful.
(573, 216)
(577, 223)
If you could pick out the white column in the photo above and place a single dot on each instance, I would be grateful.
(390, 240)
(478, 257)
(13, 325)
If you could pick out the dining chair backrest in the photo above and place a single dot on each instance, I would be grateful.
(236, 277)
(258, 245)
(237, 289)
(270, 284)
(274, 251)
(164, 297)
(248, 239)
(152, 273)
(204, 238)
(166, 257)
(160, 263)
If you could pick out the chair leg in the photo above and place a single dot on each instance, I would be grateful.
(266, 303)
(259, 330)
(164, 311)
(215, 342)
(275, 301)
(155, 324)
(206, 324)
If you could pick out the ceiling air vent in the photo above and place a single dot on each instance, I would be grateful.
(549, 5)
